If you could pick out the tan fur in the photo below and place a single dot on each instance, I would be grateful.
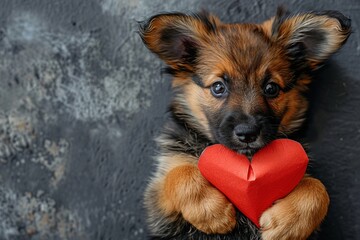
(196, 97)
(295, 216)
(187, 192)
(267, 26)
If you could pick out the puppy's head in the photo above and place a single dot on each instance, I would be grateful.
(243, 85)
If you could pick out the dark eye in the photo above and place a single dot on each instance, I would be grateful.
(218, 89)
(271, 90)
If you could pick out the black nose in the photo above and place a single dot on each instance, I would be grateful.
(247, 133)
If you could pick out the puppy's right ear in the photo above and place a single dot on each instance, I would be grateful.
(177, 38)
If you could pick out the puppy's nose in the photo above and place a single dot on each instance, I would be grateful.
(247, 133)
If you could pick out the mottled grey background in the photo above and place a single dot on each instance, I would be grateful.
(81, 99)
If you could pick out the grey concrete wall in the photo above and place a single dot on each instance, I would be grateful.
(81, 99)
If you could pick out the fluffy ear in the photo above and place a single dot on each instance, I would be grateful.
(312, 37)
(176, 38)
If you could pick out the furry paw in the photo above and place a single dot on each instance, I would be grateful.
(280, 223)
(297, 215)
(212, 214)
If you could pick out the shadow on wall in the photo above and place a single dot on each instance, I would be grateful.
(330, 122)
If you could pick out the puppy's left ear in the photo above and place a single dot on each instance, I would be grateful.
(312, 37)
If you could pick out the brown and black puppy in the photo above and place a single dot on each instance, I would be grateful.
(241, 85)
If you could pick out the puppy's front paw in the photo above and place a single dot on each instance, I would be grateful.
(279, 223)
(297, 215)
(212, 213)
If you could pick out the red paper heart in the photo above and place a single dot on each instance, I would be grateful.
(252, 187)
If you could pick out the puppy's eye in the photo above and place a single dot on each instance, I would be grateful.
(218, 89)
(271, 90)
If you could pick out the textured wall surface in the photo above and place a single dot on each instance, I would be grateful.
(81, 99)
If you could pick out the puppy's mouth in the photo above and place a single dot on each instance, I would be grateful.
(248, 151)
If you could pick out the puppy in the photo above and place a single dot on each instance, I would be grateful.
(241, 85)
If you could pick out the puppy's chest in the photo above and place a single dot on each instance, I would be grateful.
(194, 144)
(178, 138)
